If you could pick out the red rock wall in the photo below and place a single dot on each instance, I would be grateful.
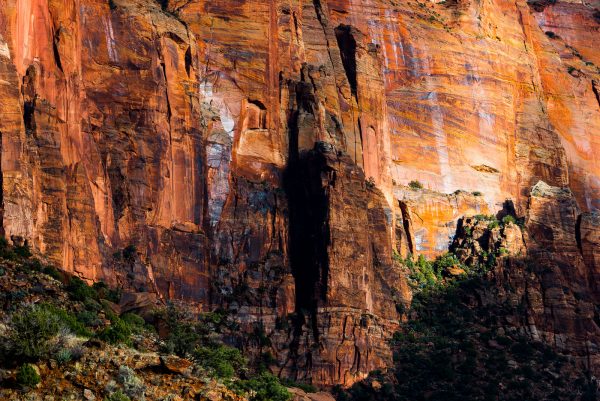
(154, 147)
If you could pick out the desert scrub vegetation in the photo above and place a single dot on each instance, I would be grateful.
(456, 344)
(27, 376)
(263, 387)
(50, 307)
(220, 361)
(31, 334)
(426, 275)
(54, 322)
(117, 396)
(198, 337)
(493, 221)
(415, 185)
(454, 348)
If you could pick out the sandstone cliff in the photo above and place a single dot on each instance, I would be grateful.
(254, 155)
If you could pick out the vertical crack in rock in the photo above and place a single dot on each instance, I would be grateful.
(319, 11)
(28, 92)
(407, 224)
(347, 46)
(307, 180)
(188, 61)
(596, 90)
(306, 188)
(169, 112)
(56, 53)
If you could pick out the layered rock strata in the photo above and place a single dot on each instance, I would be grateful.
(254, 155)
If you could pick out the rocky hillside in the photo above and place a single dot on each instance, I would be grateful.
(64, 340)
(270, 158)
(470, 332)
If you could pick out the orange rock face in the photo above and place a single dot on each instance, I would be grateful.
(254, 154)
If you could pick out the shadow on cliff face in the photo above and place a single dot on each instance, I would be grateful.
(465, 340)
(306, 182)
(487, 322)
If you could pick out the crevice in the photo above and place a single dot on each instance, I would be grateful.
(407, 224)
(28, 111)
(188, 61)
(296, 27)
(256, 115)
(319, 11)
(309, 229)
(164, 69)
(540, 5)
(55, 50)
(306, 182)
(596, 90)
(29, 95)
(164, 4)
(347, 46)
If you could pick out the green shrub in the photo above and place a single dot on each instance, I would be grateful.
(31, 333)
(445, 262)
(183, 338)
(88, 318)
(129, 253)
(32, 265)
(477, 193)
(118, 332)
(135, 322)
(134, 386)
(485, 217)
(68, 319)
(117, 396)
(23, 251)
(79, 290)
(53, 272)
(6, 250)
(422, 273)
(264, 387)
(27, 376)
(91, 305)
(265, 360)
(508, 219)
(415, 184)
(259, 336)
(220, 361)
(63, 356)
(103, 291)
(216, 318)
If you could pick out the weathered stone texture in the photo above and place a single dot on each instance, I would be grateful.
(165, 147)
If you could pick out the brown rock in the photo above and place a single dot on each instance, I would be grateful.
(176, 365)
(88, 395)
(141, 302)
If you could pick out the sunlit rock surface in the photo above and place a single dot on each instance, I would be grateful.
(254, 155)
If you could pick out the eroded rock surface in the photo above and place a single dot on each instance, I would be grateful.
(253, 155)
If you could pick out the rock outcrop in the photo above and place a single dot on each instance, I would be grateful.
(254, 155)
(542, 271)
